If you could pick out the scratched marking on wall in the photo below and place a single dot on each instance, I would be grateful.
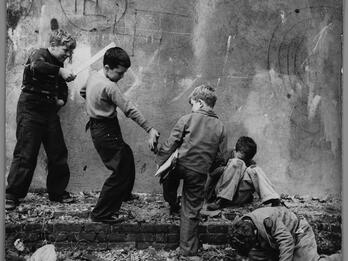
(98, 15)
(300, 50)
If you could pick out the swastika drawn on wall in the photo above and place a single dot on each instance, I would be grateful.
(93, 15)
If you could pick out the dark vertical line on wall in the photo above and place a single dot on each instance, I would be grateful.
(134, 31)
(75, 6)
(84, 7)
(114, 26)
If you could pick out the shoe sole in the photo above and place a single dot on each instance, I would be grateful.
(10, 208)
(10, 205)
(108, 221)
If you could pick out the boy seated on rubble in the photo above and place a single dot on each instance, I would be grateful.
(235, 183)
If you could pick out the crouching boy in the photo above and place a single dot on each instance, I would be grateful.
(235, 183)
(276, 233)
(199, 137)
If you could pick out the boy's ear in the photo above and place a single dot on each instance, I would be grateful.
(106, 67)
(201, 102)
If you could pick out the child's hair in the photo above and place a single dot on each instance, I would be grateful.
(205, 93)
(60, 37)
(116, 56)
(242, 236)
(247, 146)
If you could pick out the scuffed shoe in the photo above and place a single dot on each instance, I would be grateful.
(131, 197)
(11, 204)
(65, 198)
(215, 205)
(113, 219)
(174, 210)
(275, 202)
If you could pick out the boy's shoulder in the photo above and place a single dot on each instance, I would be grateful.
(96, 77)
(43, 52)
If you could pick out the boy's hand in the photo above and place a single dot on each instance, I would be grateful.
(153, 139)
(67, 74)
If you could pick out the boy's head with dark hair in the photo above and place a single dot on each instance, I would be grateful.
(243, 236)
(61, 44)
(246, 148)
(115, 57)
(116, 62)
(203, 93)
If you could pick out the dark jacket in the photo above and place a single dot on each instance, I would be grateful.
(199, 136)
(41, 75)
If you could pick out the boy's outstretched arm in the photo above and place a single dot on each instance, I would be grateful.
(131, 111)
(153, 139)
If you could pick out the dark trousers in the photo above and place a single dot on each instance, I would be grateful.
(37, 122)
(191, 203)
(117, 157)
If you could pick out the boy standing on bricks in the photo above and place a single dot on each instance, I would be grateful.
(199, 138)
(44, 92)
(103, 96)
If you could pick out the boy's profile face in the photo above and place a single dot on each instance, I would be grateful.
(61, 52)
(116, 73)
(239, 155)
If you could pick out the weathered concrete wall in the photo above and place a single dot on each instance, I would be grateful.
(276, 66)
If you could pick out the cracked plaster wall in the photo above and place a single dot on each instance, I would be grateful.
(276, 66)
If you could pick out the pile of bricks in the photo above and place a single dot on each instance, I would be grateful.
(97, 236)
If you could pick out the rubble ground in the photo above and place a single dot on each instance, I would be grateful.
(149, 208)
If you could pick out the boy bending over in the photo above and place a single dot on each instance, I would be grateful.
(103, 96)
(276, 234)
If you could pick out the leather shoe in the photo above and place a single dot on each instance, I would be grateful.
(174, 210)
(109, 220)
(215, 205)
(275, 202)
(64, 198)
(11, 204)
(131, 197)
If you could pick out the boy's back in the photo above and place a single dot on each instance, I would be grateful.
(199, 136)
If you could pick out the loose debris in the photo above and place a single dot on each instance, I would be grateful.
(36, 208)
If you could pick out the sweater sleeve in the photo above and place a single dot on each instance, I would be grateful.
(127, 107)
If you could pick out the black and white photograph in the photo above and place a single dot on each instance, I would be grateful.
(173, 130)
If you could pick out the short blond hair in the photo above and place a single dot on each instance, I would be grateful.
(206, 93)
(60, 37)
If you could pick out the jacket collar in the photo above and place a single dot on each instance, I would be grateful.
(210, 113)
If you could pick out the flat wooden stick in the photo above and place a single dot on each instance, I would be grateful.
(94, 58)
